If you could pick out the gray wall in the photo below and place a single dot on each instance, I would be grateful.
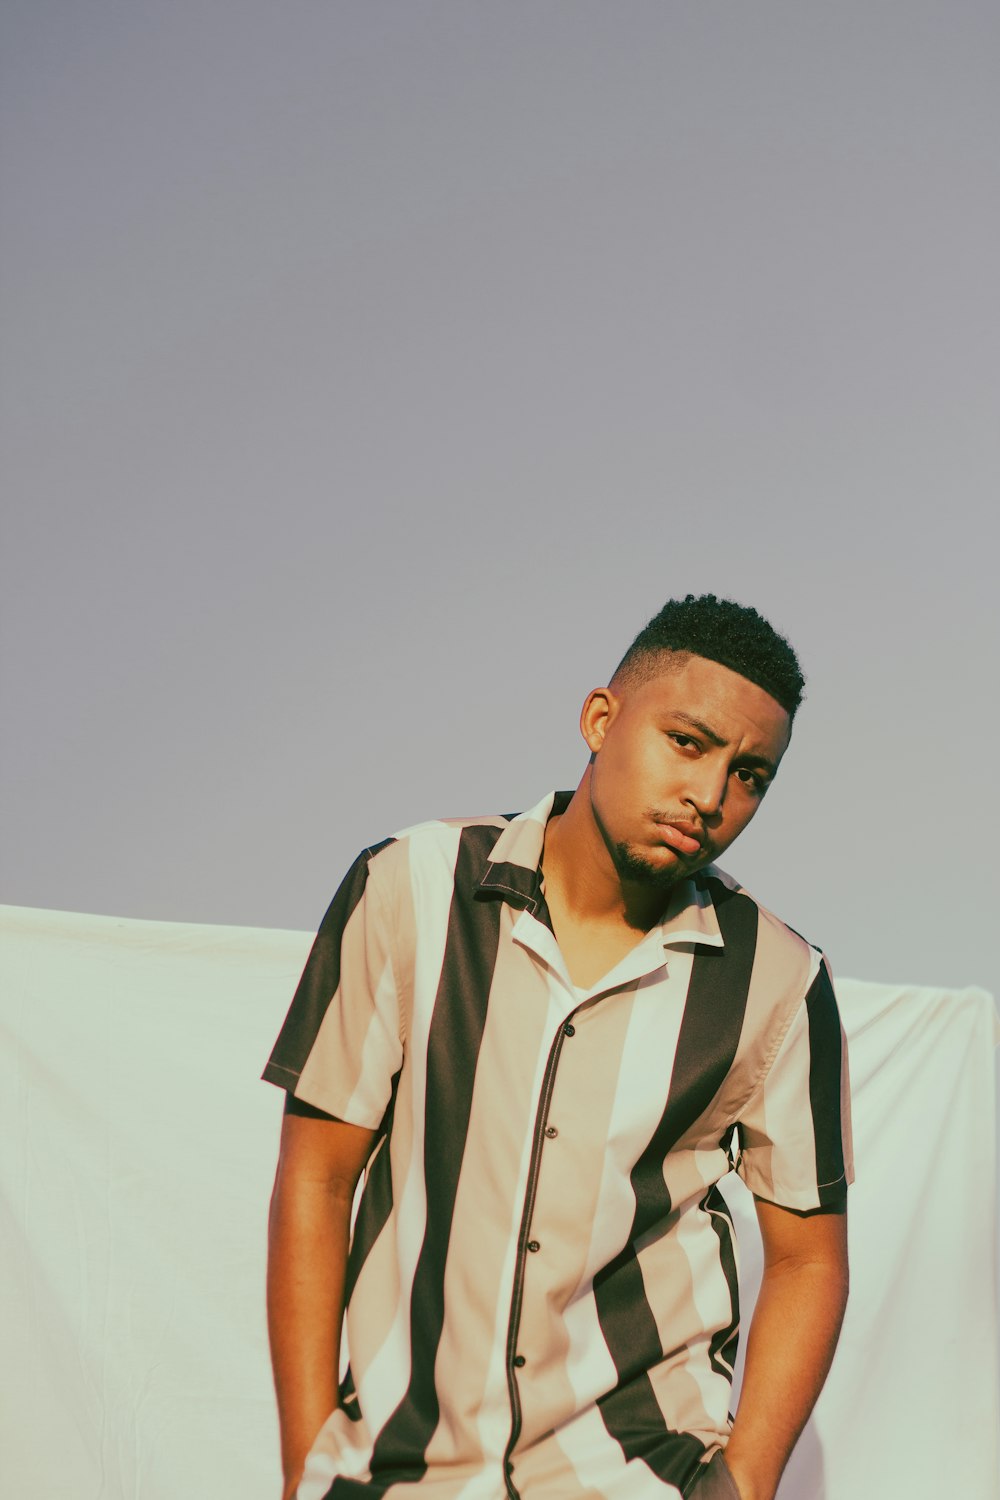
(374, 370)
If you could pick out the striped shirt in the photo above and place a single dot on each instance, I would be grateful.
(542, 1288)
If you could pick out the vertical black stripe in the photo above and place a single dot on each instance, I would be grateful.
(456, 1034)
(356, 1489)
(725, 1341)
(709, 1035)
(632, 1416)
(349, 1403)
(321, 975)
(825, 1079)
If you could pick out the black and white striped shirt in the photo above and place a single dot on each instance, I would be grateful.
(542, 1292)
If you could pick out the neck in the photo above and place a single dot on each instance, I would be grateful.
(580, 871)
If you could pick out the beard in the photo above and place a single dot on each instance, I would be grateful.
(633, 866)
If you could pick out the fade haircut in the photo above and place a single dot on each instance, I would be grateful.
(734, 635)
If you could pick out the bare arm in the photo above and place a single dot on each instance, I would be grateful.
(793, 1334)
(319, 1164)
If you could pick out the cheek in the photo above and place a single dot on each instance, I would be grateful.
(616, 779)
(639, 769)
(737, 816)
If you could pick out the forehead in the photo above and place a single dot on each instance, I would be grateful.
(730, 704)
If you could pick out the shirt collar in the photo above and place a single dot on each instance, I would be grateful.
(512, 869)
(512, 872)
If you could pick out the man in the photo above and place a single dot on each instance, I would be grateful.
(548, 1037)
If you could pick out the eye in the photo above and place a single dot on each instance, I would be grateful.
(753, 781)
(676, 735)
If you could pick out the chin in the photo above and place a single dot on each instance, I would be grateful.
(633, 865)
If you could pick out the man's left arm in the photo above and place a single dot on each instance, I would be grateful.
(793, 1334)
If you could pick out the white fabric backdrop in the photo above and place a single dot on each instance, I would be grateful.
(137, 1149)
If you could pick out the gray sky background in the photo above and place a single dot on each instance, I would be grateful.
(373, 371)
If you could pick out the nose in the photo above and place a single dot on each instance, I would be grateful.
(706, 788)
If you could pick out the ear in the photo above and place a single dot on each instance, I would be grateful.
(599, 710)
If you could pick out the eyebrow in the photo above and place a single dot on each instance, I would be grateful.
(717, 739)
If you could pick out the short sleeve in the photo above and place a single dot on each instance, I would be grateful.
(340, 1048)
(795, 1132)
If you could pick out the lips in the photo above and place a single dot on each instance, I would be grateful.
(681, 835)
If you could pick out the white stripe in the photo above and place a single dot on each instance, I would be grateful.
(495, 1418)
(380, 1054)
(712, 1298)
(647, 1063)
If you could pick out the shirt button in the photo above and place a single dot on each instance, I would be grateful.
(551, 1132)
(533, 1245)
(569, 1029)
(519, 1360)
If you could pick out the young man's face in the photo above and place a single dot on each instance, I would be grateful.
(659, 776)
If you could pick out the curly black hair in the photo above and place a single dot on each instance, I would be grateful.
(734, 635)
